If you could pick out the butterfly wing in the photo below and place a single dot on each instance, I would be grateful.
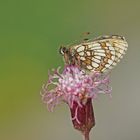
(100, 54)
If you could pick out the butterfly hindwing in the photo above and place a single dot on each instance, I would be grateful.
(101, 54)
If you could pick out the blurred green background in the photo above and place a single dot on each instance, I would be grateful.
(31, 32)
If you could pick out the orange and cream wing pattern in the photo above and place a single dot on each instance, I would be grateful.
(100, 54)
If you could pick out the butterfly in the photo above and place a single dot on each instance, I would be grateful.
(100, 54)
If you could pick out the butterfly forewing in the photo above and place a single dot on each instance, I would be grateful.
(101, 54)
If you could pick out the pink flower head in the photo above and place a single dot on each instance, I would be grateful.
(76, 88)
(73, 85)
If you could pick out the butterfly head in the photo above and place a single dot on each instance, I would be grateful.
(67, 54)
(63, 50)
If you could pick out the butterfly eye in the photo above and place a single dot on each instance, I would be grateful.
(62, 50)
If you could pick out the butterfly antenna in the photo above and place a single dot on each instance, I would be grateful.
(82, 37)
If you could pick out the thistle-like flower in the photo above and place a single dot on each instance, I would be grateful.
(77, 88)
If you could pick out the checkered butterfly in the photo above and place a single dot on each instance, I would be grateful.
(99, 55)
